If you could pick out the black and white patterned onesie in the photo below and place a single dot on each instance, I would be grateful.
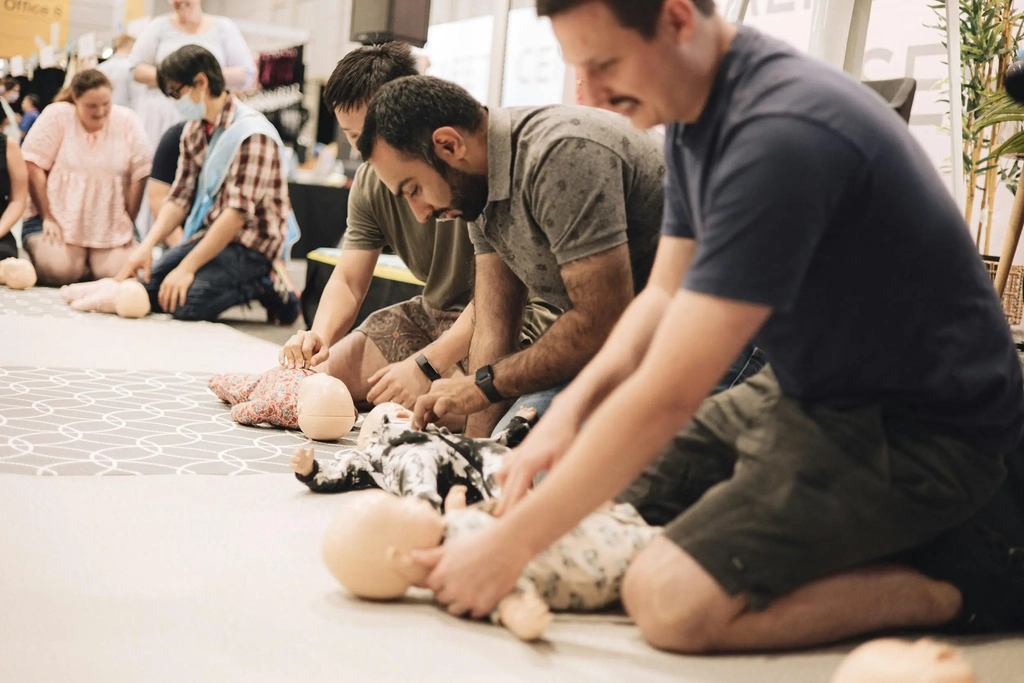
(425, 463)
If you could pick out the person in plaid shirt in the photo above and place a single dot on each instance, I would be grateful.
(235, 230)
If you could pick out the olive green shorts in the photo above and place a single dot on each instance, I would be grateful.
(768, 494)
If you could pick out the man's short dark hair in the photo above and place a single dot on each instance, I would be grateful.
(184, 64)
(639, 15)
(405, 113)
(30, 99)
(364, 71)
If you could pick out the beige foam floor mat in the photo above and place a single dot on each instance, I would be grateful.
(218, 579)
(106, 341)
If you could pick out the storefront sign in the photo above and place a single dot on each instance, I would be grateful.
(22, 21)
(134, 9)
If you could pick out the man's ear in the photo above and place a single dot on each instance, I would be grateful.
(679, 17)
(449, 145)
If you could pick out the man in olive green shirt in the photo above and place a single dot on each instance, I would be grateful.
(397, 351)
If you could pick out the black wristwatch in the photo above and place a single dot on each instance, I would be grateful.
(485, 380)
(429, 370)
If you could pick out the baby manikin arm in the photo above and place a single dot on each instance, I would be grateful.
(524, 614)
(127, 299)
(351, 470)
(456, 498)
(99, 296)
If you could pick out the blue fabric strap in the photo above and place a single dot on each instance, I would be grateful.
(224, 145)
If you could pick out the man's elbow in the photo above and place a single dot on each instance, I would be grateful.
(669, 399)
(598, 320)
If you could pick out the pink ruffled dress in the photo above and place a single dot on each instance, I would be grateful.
(89, 173)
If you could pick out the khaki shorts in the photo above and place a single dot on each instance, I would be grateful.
(405, 328)
(768, 494)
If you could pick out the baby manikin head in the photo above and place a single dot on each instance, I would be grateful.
(385, 413)
(367, 546)
(17, 273)
(132, 300)
(325, 407)
(889, 660)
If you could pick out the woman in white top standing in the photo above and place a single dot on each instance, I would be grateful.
(187, 25)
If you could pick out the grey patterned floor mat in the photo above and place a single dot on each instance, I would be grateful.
(107, 422)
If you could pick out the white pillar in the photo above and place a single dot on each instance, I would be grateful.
(853, 63)
(501, 10)
(735, 10)
(830, 30)
(956, 122)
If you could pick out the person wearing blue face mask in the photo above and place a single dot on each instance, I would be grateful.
(230, 193)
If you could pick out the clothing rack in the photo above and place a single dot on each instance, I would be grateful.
(274, 99)
(280, 89)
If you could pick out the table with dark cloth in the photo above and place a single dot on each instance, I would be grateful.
(321, 212)
(392, 282)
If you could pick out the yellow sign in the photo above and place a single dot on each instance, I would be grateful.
(133, 9)
(22, 21)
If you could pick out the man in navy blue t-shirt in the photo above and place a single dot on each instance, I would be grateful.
(826, 497)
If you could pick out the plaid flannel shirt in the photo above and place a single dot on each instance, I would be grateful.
(255, 185)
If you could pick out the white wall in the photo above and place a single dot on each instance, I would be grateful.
(99, 16)
(326, 20)
(900, 43)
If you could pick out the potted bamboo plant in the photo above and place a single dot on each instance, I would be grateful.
(990, 32)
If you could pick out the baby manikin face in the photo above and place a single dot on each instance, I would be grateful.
(383, 423)
(369, 525)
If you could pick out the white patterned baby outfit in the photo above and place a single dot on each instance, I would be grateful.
(583, 570)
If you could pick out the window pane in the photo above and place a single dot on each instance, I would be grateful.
(787, 20)
(534, 70)
(444, 11)
(459, 43)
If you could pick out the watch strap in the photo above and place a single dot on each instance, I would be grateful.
(485, 380)
(429, 370)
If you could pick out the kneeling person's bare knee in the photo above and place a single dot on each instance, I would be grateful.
(675, 603)
(353, 360)
(54, 272)
(56, 264)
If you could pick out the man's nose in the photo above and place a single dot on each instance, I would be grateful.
(420, 209)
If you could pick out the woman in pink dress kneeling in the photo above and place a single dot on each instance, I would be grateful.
(88, 161)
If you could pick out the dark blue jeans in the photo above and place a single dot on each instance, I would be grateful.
(540, 400)
(749, 363)
(231, 278)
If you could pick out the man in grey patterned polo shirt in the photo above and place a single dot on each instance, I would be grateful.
(567, 204)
